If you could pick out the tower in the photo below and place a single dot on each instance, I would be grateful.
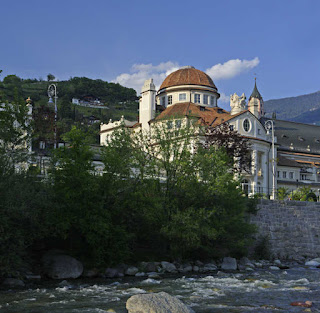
(255, 103)
(147, 104)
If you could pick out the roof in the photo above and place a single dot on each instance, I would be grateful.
(206, 115)
(283, 161)
(187, 76)
(297, 137)
(255, 92)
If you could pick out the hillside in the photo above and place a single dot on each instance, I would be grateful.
(115, 100)
(302, 109)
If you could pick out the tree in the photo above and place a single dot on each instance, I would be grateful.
(50, 77)
(235, 145)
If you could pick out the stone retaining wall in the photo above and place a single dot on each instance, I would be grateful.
(293, 227)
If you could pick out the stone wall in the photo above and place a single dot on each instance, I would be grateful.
(293, 227)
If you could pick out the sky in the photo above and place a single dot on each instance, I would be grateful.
(129, 41)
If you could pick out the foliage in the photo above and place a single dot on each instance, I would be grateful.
(283, 193)
(50, 77)
(262, 248)
(304, 194)
(235, 145)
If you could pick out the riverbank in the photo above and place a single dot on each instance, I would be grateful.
(263, 289)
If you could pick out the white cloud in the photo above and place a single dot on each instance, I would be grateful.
(231, 68)
(140, 72)
(224, 98)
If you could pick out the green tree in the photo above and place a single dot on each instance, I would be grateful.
(50, 77)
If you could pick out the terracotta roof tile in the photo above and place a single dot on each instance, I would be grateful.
(205, 115)
(187, 76)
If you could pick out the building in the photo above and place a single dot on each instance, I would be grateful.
(285, 154)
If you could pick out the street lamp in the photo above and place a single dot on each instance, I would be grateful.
(269, 125)
(52, 93)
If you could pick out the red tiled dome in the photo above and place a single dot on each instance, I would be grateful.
(187, 76)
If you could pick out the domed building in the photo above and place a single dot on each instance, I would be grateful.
(191, 93)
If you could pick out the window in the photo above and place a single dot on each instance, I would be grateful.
(246, 125)
(178, 123)
(169, 125)
(182, 96)
(278, 174)
(212, 100)
(245, 186)
(42, 145)
(169, 100)
(291, 175)
(259, 131)
(205, 99)
(303, 177)
(284, 174)
(231, 127)
(163, 101)
(196, 98)
(202, 108)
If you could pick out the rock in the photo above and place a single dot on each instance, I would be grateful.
(131, 271)
(148, 266)
(249, 269)
(209, 267)
(61, 266)
(153, 275)
(229, 264)
(316, 260)
(64, 283)
(244, 261)
(274, 268)
(185, 268)
(140, 274)
(198, 263)
(13, 282)
(195, 268)
(169, 267)
(111, 272)
(156, 302)
(32, 277)
(277, 262)
(307, 304)
(312, 263)
(91, 273)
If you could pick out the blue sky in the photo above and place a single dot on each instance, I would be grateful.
(128, 41)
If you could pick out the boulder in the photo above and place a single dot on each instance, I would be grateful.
(168, 267)
(32, 277)
(13, 282)
(153, 275)
(140, 274)
(148, 266)
(156, 303)
(195, 268)
(91, 273)
(185, 268)
(111, 272)
(312, 263)
(131, 271)
(229, 264)
(274, 268)
(209, 267)
(61, 266)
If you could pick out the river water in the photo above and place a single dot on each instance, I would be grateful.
(258, 291)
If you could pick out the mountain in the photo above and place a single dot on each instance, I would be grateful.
(301, 109)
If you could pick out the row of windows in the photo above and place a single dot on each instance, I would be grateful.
(183, 97)
(177, 124)
(284, 174)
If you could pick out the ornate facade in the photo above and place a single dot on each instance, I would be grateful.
(284, 161)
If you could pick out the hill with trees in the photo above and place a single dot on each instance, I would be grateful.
(115, 100)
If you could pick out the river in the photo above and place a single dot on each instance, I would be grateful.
(258, 291)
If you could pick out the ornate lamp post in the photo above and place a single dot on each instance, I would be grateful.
(269, 125)
(52, 93)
